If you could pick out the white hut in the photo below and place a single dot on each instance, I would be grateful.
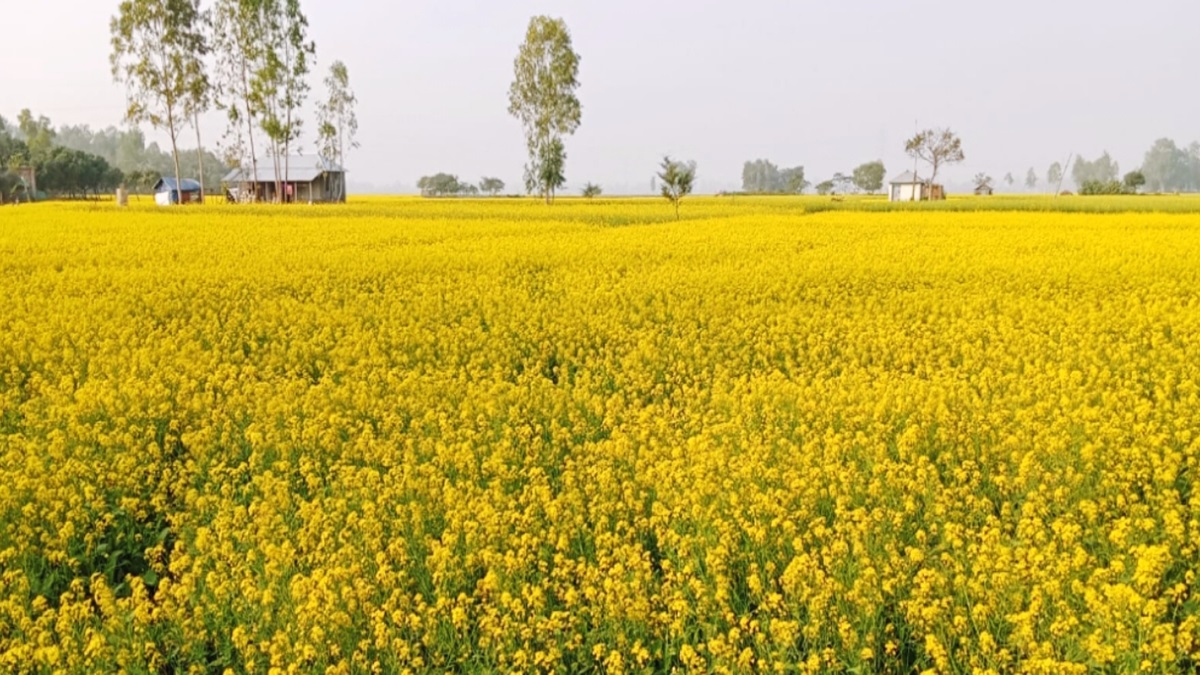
(906, 187)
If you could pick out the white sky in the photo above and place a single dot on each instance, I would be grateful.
(824, 84)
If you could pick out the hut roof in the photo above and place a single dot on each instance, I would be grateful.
(906, 178)
(168, 183)
(300, 169)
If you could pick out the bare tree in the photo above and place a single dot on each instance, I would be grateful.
(935, 147)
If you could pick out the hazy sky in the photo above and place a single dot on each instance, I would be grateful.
(824, 84)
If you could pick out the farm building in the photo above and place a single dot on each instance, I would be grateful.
(983, 190)
(908, 187)
(167, 193)
(304, 179)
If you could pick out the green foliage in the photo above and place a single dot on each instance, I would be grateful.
(869, 177)
(1054, 174)
(983, 182)
(793, 180)
(157, 46)
(591, 190)
(763, 177)
(1170, 168)
(1031, 178)
(551, 162)
(278, 86)
(1101, 170)
(444, 185)
(141, 182)
(1102, 187)
(935, 147)
(126, 149)
(38, 133)
(542, 97)
(237, 42)
(676, 180)
(71, 173)
(1134, 180)
(13, 151)
(842, 184)
(337, 122)
(492, 186)
(826, 187)
(760, 177)
(8, 183)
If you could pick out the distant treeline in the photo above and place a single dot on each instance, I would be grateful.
(77, 162)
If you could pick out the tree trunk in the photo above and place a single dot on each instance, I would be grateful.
(250, 131)
(174, 153)
(287, 129)
(199, 151)
(340, 197)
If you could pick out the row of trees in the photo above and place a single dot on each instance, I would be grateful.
(448, 185)
(542, 96)
(59, 170)
(1166, 167)
(760, 176)
(124, 149)
(248, 58)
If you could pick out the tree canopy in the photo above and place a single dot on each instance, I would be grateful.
(676, 180)
(1102, 169)
(542, 97)
(869, 177)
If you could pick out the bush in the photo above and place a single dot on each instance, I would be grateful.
(1102, 187)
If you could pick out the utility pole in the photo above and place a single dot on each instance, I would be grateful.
(913, 197)
(1063, 174)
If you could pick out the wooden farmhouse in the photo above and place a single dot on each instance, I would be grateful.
(304, 179)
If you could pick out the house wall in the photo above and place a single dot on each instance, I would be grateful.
(320, 190)
(904, 192)
(170, 197)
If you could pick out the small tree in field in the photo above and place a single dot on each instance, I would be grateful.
(592, 190)
(677, 180)
(1054, 175)
(1134, 180)
(983, 183)
(869, 177)
(492, 186)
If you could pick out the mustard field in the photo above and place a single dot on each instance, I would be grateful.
(778, 435)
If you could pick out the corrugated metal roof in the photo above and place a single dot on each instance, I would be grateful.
(906, 178)
(168, 183)
(300, 169)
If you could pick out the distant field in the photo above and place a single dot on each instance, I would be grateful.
(781, 434)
